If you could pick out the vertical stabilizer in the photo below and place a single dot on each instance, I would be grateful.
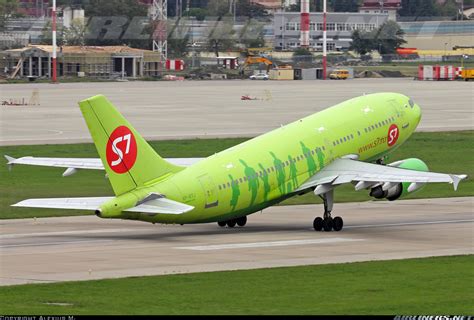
(128, 159)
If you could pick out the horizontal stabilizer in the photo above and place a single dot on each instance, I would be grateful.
(155, 206)
(155, 203)
(64, 203)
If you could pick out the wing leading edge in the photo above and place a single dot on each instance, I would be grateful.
(367, 175)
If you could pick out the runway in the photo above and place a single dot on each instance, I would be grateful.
(87, 247)
(207, 109)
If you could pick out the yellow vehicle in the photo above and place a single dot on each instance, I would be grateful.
(339, 75)
(467, 74)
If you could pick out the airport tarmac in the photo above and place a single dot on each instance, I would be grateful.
(87, 247)
(189, 109)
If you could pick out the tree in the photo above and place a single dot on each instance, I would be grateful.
(301, 52)
(313, 6)
(386, 39)
(362, 42)
(418, 8)
(198, 13)
(178, 40)
(7, 10)
(218, 8)
(221, 35)
(389, 37)
(252, 34)
(75, 35)
(178, 47)
(345, 5)
(47, 35)
(124, 12)
(250, 9)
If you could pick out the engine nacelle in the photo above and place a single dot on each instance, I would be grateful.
(394, 191)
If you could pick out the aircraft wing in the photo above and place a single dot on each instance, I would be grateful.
(73, 164)
(149, 207)
(367, 175)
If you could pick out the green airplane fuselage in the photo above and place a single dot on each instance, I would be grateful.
(269, 168)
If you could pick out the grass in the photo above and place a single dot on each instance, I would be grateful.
(442, 285)
(451, 152)
(408, 69)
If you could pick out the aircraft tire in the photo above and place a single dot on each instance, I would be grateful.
(231, 223)
(221, 223)
(327, 224)
(337, 224)
(242, 221)
(318, 224)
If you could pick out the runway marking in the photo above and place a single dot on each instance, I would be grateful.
(268, 244)
(60, 233)
(407, 224)
(52, 243)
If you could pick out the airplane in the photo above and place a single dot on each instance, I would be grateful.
(346, 143)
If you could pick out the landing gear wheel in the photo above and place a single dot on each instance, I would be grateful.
(242, 221)
(231, 223)
(327, 224)
(221, 224)
(318, 224)
(337, 224)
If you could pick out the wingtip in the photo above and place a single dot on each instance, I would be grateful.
(10, 160)
(456, 179)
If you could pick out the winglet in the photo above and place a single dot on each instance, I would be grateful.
(10, 160)
(10, 163)
(456, 179)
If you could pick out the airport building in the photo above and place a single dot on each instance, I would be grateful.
(106, 62)
(340, 25)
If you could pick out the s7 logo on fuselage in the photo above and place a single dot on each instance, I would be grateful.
(393, 134)
(121, 151)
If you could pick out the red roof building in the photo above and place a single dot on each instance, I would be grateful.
(33, 8)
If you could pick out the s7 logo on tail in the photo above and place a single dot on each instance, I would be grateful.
(121, 150)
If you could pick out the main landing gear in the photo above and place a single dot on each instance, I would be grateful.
(242, 221)
(327, 222)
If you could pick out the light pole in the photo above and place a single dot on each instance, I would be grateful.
(283, 27)
(324, 40)
(54, 43)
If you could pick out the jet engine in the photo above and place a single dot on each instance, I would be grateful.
(392, 190)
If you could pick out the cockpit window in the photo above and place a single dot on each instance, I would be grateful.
(411, 103)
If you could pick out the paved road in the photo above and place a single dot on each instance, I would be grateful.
(166, 110)
(82, 248)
